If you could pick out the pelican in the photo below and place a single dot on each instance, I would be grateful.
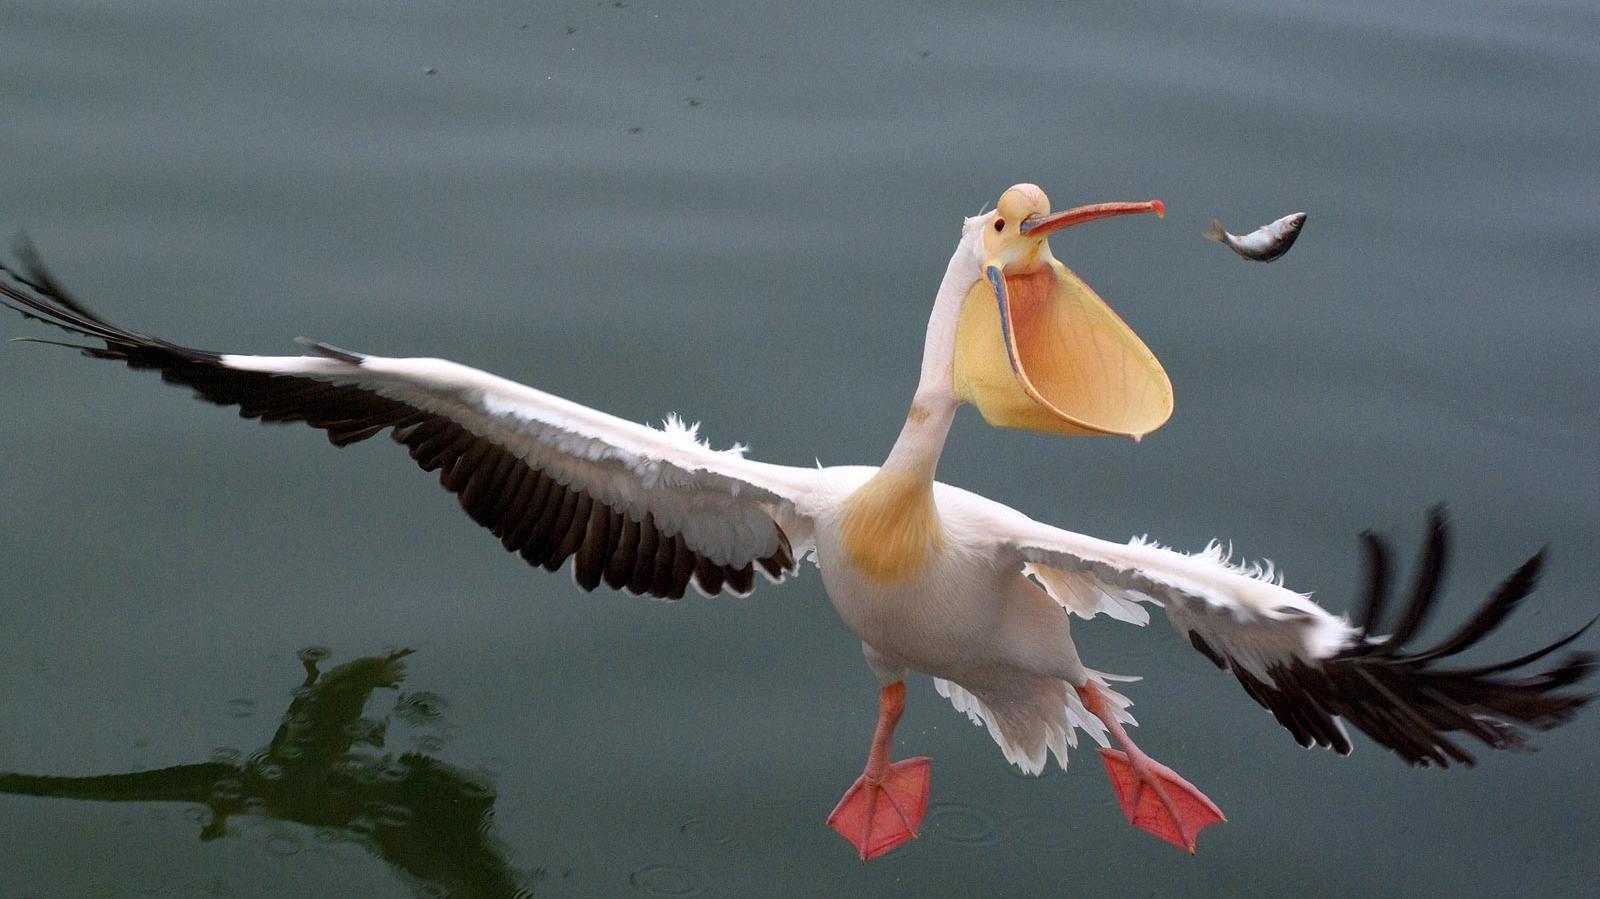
(932, 578)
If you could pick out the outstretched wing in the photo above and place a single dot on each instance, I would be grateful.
(638, 509)
(1314, 670)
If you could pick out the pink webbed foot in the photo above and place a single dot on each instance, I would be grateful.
(877, 817)
(1157, 800)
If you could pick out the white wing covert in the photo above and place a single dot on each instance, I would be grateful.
(1242, 612)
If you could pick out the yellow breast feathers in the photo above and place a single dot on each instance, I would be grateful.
(891, 527)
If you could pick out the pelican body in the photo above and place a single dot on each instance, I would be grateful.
(930, 577)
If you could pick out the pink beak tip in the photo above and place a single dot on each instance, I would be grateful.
(1159, 208)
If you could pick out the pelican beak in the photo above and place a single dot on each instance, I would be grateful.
(1040, 225)
(1036, 348)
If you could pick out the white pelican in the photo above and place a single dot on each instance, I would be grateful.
(932, 578)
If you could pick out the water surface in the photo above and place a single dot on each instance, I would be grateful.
(740, 212)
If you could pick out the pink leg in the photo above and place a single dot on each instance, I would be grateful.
(1153, 796)
(885, 805)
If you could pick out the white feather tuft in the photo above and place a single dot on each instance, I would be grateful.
(1222, 556)
(688, 433)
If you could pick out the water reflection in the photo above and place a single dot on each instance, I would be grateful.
(431, 822)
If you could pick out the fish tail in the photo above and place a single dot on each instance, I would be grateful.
(1217, 233)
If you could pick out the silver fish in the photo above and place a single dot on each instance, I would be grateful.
(1265, 243)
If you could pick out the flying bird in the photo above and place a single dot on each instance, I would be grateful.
(931, 577)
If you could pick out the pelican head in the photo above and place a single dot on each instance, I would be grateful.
(1035, 348)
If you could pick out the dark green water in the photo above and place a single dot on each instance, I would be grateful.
(740, 212)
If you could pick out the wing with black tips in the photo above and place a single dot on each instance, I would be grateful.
(1314, 671)
(639, 509)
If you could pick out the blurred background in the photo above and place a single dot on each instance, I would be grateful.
(739, 212)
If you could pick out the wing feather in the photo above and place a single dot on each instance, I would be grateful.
(1311, 669)
(646, 510)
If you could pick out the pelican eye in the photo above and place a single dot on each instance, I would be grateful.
(999, 224)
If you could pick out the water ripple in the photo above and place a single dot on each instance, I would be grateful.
(314, 653)
(284, 844)
(963, 825)
(666, 880)
(704, 831)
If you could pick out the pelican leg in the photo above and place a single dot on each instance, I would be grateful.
(1153, 796)
(885, 805)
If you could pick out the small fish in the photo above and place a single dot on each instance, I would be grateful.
(1265, 243)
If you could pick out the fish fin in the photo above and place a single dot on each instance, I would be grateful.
(1217, 233)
